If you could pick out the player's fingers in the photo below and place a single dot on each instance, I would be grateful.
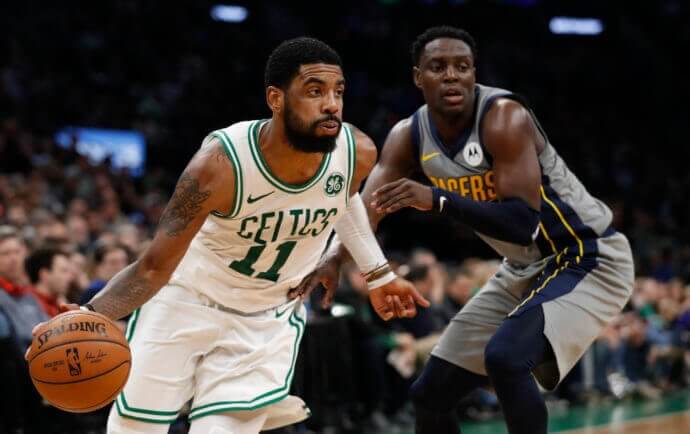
(399, 308)
(328, 295)
(419, 298)
(400, 202)
(409, 308)
(385, 312)
(35, 329)
(393, 199)
(26, 353)
(382, 309)
(384, 200)
(386, 187)
(305, 286)
(307, 289)
(67, 307)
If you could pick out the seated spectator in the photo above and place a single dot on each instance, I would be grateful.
(19, 313)
(50, 272)
(18, 303)
(108, 260)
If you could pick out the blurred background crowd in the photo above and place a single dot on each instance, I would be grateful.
(613, 105)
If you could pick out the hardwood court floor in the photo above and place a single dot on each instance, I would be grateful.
(668, 415)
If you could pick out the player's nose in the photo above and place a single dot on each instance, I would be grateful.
(330, 104)
(451, 74)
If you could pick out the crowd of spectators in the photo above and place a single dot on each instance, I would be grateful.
(614, 106)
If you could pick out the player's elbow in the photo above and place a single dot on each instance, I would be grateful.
(155, 269)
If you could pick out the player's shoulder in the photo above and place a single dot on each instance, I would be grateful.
(361, 139)
(237, 131)
(505, 116)
(503, 105)
(365, 148)
(403, 129)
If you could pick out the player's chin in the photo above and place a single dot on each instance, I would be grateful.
(452, 109)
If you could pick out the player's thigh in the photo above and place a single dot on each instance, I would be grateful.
(237, 422)
(252, 364)
(464, 340)
(167, 339)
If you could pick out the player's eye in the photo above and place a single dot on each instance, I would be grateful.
(314, 91)
(436, 67)
(339, 92)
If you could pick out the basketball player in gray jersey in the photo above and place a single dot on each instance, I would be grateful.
(565, 273)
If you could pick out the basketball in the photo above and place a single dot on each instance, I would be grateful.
(79, 361)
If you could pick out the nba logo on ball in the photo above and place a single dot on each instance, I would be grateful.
(73, 362)
(334, 184)
(473, 154)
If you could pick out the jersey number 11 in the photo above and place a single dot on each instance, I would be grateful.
(245, 266)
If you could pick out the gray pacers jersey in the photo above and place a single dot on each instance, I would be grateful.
(569, 214)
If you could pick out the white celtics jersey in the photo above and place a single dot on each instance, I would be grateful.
(276, 232)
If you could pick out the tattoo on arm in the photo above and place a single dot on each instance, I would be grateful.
(125, 292)
(184, 205)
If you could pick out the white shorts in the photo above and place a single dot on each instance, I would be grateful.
(185, 347)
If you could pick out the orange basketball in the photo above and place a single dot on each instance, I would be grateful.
(79, 361)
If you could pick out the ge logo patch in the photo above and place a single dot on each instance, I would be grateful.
(473, 154)
(334, 184)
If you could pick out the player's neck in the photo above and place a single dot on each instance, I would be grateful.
(287, 163)
(451, 127)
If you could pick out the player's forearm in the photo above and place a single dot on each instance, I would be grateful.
(511, 220)
(127, 290)
(355, 233)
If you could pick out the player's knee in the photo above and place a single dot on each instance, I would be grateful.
(501, 359)
(430, 390)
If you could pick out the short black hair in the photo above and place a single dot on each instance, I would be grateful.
(39, 260)
(284, 62)
(437, 32)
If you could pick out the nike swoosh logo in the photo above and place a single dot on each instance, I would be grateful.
(251, 199)
(441, 201)
(427, 157)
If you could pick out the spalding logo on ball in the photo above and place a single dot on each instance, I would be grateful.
(79, 361)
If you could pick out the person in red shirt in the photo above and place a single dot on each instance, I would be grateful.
(12, 254)
(21, 409)
(50, 273)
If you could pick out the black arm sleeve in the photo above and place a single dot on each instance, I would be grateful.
(511, 220)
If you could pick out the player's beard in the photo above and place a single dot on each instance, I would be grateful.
(303, 137)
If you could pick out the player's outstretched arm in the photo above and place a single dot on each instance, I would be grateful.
(390, 295)
(207, 184)
(512, 140)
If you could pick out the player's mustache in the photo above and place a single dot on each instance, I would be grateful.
(327, 118)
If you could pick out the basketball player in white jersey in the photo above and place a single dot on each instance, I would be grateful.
(249, 219)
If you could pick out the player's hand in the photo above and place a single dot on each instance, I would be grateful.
(400, 194)
(62, 308)
(327, 273)
(397, 298)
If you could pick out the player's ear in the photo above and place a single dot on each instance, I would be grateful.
(274, 98)
(417, 76)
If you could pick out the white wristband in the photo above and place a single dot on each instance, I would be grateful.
(386, 278)
(354, 231)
